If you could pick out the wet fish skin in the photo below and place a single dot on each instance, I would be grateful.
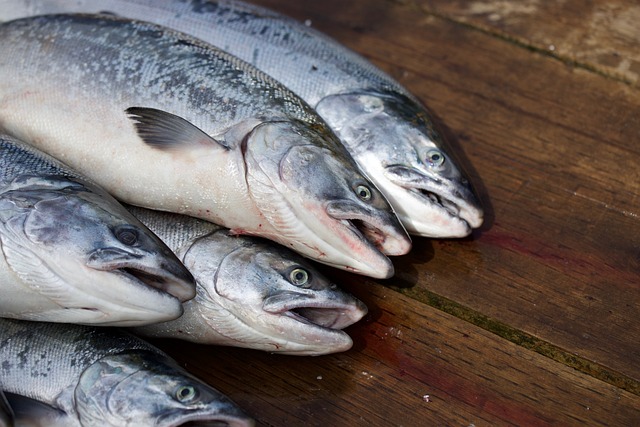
(251, 293)
(106, 377)
(386, 129)
(72, 253)
(190, 115)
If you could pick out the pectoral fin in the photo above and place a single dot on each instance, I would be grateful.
(166, 131)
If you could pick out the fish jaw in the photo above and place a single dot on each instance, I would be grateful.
(84, 295)
(318, 325)
(162, 275)
(374, 227)
(323, 315)
(348, 243)
(294, 181)
(164, 394)
(429, 207)
(394, 141)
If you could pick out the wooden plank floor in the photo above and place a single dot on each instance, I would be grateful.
(533, 320)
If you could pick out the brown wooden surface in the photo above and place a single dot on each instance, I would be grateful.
(600, 35)
(534, 319)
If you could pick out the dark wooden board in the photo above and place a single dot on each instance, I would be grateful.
(485, 330)
(599, 35)
(412, 365)
(555, 151)
(533, 319)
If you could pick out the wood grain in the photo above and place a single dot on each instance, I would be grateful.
(599, 35)
(554, 150)
(533, 319)
(412, 365)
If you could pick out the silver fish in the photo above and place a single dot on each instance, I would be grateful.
(386, 129)
(72, 253)
(237, 148)
(251, 293)
(106, 377)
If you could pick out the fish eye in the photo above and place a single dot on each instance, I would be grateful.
(435, 157)
(299, 277)
(363, 192)
(127, 236)
(186, 393)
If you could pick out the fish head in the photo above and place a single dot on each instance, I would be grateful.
(103, 258)
(309, 188)
(392, 137)
(274, 299)
(143, 387)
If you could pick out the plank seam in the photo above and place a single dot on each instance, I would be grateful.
(522, 339)
(520, 42)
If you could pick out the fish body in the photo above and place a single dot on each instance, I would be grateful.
(251, 293)
(72, 253)
(387, 130)
(105, 377)
(165, 121)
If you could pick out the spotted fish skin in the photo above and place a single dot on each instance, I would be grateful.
(386, 129)
(105, 377)
(195, 131)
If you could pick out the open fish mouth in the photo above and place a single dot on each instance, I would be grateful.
(165, 279)
(208, 421)
(145, 277)
(327, 316)
(435, 199)
(451, 198)
(365, 231)
(386, 236)
(156, 279)
(226, 417)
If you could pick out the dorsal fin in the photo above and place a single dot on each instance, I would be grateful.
(167, 131)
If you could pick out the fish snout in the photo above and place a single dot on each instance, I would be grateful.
(382, 228)
(448, 201)
(163, 272)
(334, 316)
(329, 309)
(176, 279)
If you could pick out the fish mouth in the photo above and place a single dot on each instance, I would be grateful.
(229, 416)
(450, 198)
(382, 233)
(217, 421)
(325, 315)
(156, 279)
(165, 278)
(435, 199)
